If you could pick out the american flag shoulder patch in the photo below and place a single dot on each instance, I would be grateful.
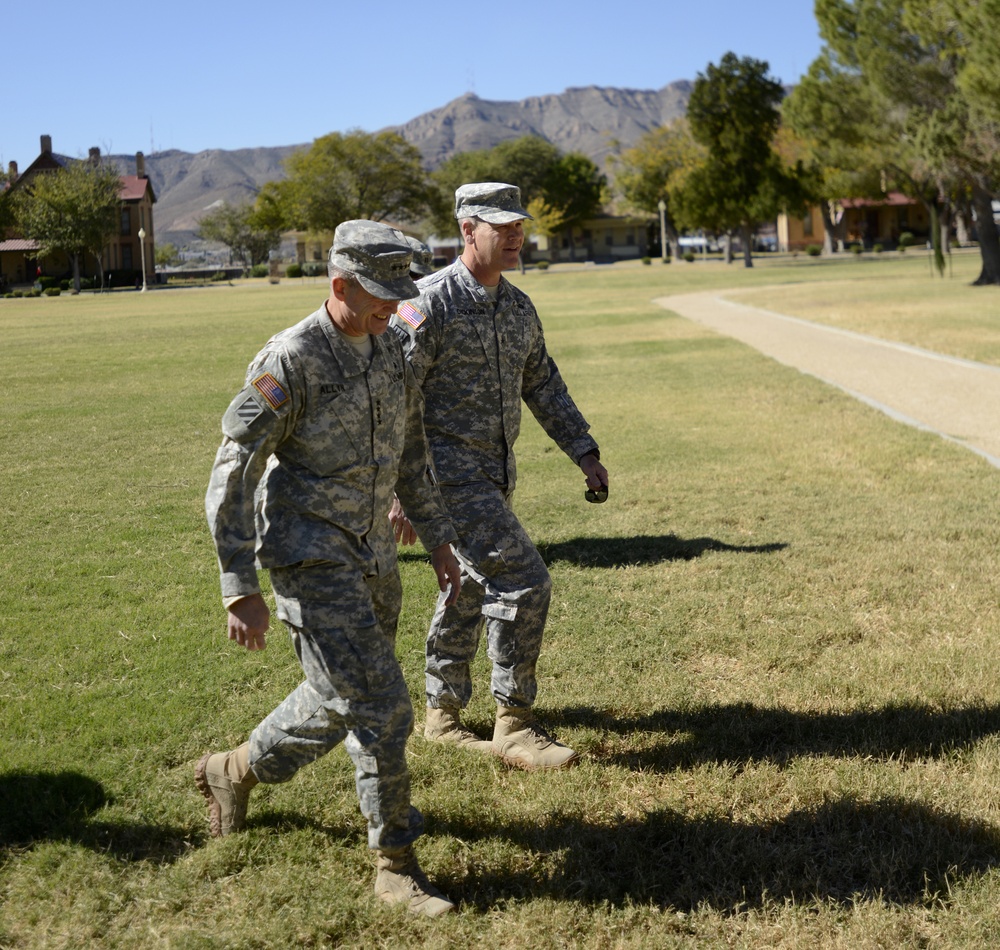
(271, 390)
(410, 314)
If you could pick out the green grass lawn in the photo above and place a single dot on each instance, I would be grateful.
(774, 645)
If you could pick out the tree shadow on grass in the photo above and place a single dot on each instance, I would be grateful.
(626, 552)
(666, 740)
(57, 806)
(842, 851)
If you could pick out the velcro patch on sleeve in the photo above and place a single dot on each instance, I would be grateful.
(248, 411)
(271, 390)
(410, 314)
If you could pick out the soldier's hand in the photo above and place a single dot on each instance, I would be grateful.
(597, 477)
(249, 619)
(448, 572)
(401, 526)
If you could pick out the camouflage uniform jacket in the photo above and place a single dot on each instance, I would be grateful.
(314, 447)
(475, 362)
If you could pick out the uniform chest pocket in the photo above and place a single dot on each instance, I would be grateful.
(514, 333)
(335, 432)
(390, 413)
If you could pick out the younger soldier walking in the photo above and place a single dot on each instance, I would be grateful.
(476, 345)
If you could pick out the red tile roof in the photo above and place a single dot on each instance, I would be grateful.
(18, 244)
(134, 188)
(892, 199)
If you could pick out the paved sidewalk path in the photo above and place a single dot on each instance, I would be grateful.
(957, 399)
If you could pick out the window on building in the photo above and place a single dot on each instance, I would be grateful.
(126, 222)
(609, 238)
(127, 257)
(630, 238)
(807, 226)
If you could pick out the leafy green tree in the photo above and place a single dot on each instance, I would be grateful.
(646, 172)
(270, 212)
(545, 221)
(830, 131)
(733, 114)
(74, 210)
(575, 187)
(529, 163)
(353, 175)
(237, 227)
(167, 255)
(961, 137)
(912, 58)
(905, 82)
(526, 162)
(6, 205)
(571, 186)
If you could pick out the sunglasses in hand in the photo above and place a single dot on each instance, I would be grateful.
(597, 496)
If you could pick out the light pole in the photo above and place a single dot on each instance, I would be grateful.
(142, 256)
(663, 229)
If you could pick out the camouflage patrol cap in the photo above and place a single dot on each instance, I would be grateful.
(423, 257)
(377, 255)
(492, 201)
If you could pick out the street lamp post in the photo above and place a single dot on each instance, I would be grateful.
(663, 229)
(142, 256)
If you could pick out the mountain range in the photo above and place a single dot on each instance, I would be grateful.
(596, 121)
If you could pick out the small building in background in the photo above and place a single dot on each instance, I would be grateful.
(124, 255)
(864, 221)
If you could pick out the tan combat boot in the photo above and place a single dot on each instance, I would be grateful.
(523, 743)
(444, 725)
(400, 881)
(225, 779)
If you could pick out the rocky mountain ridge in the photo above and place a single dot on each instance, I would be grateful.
(596, 121)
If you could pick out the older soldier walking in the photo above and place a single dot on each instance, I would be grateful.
(476, 345)
(326, 428)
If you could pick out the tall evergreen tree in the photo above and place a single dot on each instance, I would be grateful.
(733, 113)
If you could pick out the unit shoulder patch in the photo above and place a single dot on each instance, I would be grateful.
(248, 410)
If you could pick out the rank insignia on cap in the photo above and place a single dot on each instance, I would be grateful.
(410, 314)
(271, 390)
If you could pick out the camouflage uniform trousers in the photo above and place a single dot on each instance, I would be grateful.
(343, 628)
(504, 581)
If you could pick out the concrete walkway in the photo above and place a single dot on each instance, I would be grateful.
(957, 399)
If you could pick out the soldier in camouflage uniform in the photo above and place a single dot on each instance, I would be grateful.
(476, 345)
(326, 428)
(423, 258)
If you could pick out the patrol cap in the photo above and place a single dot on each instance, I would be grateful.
(377, 255)
(492, 201)
(423, 257)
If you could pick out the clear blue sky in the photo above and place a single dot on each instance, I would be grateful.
(219, 74)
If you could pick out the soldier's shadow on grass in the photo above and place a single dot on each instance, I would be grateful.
(58, 806)
(665, 740)
(842, 851)
(625, 552)
(642, 549)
